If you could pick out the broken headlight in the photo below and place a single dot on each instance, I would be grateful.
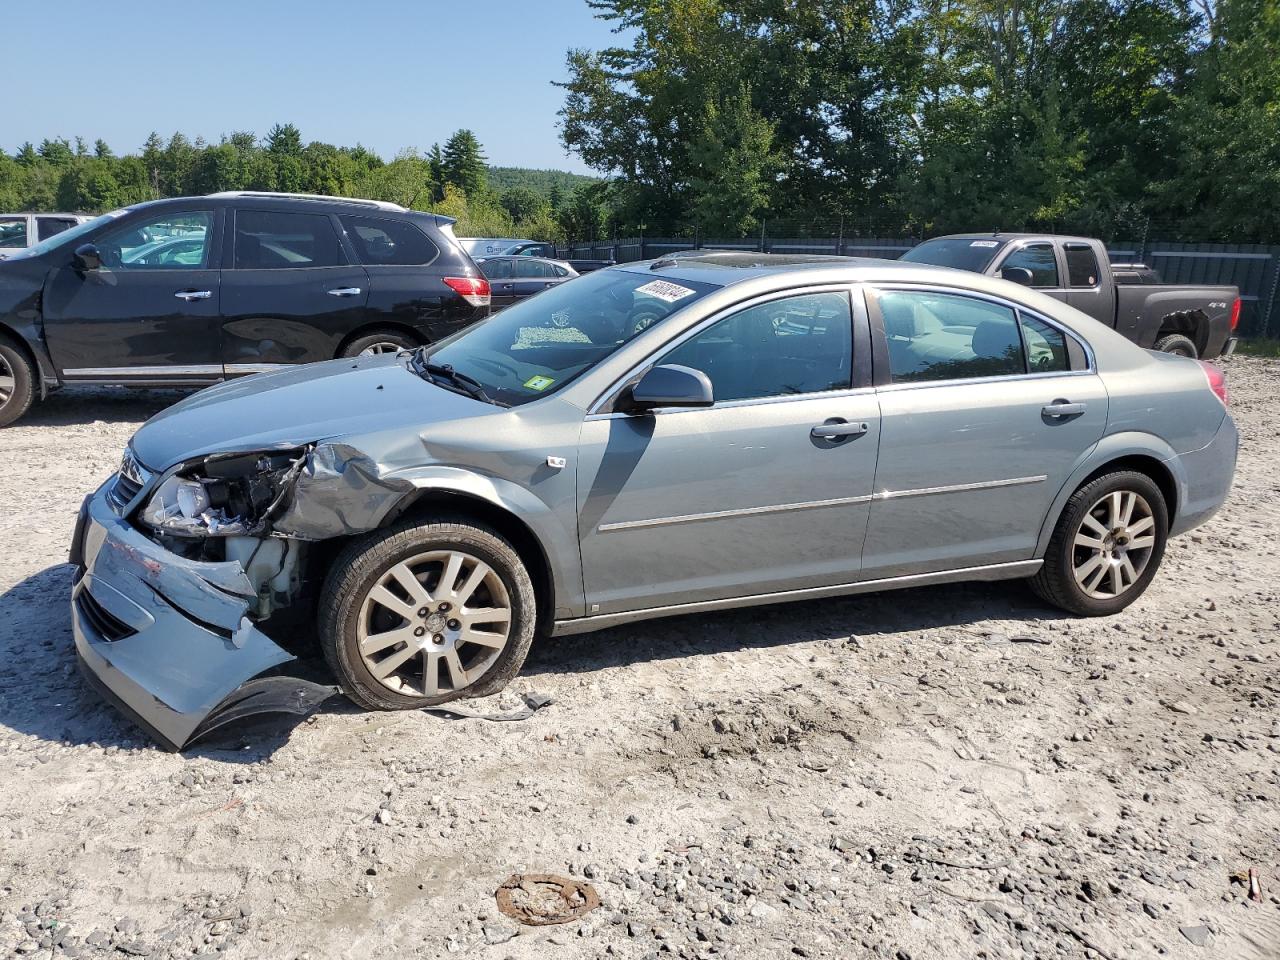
(224, 495)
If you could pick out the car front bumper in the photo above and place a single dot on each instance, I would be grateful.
(167, 639)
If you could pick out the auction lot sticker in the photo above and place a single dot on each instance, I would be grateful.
(538, 383)
(665, 290)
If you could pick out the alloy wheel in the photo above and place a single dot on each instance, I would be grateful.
(8, 381)
(1113, 544)
(381, 346)
(434, 623)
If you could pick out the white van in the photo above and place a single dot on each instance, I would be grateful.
(21, 230)
(488, 246)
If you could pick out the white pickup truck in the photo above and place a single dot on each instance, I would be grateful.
(18, 231)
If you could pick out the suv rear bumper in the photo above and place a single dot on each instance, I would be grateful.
(167, 639)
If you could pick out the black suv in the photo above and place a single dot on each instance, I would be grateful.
(195, 290)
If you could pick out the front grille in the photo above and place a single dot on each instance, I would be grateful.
(132, 477)
(102, 623)
(123, 491)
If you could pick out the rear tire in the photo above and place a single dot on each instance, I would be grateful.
(378, 341)
(1177, 343)
(1106, 547)
(423, 613)
(17, 383)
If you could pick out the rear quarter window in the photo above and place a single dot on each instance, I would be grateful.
(1082, 265)
(389, 242)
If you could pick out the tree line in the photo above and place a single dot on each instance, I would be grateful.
(452, 179)
(927, 116)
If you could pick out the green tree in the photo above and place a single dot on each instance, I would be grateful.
(464, 163)
(733, 160)
(522, 203)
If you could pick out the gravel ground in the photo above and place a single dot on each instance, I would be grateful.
(949, 772)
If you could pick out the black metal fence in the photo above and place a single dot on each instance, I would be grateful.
(1254, 268)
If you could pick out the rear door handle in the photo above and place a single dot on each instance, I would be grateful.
(345, 292)
(838, 430)
(189, 295)
(1063, 408)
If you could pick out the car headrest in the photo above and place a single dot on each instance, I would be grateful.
(996, 338)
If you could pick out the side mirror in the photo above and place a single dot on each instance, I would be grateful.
(1020, 275)
(88, 257)
(672, 385)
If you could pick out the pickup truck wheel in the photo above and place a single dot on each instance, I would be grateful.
(378, 341)
(1106, 547)
(423, 613)
(17, 383)
(1177, 343)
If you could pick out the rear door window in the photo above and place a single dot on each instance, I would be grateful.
(942, 336)
(1082, 265)
(532, 269)
(13, 233)
(1040, 259)
(388, 242)
(47, 227)
(267, 240)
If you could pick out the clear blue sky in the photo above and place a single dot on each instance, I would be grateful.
(385, 73)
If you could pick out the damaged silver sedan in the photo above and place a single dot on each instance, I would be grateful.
(670, 437)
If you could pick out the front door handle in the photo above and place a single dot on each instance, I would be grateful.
(189, 295)
(1063, 408)
(838, 429)
(345, 292)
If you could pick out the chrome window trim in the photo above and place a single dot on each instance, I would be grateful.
(846, 287)
(735, 404)
(1091, 362)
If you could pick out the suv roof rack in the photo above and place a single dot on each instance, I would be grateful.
(269, 195)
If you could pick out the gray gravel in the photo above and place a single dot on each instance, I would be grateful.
(897, 776)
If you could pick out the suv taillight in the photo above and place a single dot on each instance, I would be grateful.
(1217, 381)
(474, 290)
(1235, 313)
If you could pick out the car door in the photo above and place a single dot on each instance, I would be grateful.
(136, 320)
(986, 409)
(743, 497)
(1088, 292)
(502, 286)
(290, 294)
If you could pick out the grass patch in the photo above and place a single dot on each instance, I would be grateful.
(1259, 347)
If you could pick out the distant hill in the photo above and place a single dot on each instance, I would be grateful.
(503, 178)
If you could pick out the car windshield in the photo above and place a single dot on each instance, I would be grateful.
(964, 253)
(534, 348)
(66, 236)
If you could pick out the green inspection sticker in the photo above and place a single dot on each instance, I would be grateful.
(538, 383)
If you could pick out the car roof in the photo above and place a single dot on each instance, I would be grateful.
(723, 268)
(319, 202)
(1005, 237)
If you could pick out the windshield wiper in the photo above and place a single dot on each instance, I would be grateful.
(460, 381)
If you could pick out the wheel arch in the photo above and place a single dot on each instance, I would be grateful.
(1190, 323)
(1143, 453)
(373, 327)
(39, 361)
(433, 501)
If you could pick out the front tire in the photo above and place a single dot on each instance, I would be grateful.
(1106, 547)
(1177, 343)
(17, 383)
(423, 613)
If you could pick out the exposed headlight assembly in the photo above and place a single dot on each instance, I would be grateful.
(227, 495)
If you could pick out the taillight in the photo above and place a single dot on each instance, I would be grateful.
(1235, 313)
(474, 290)
(1217, 381)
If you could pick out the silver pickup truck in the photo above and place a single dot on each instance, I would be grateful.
(1174, 318)
(18, 231)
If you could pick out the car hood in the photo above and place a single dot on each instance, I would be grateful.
(296, 406)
